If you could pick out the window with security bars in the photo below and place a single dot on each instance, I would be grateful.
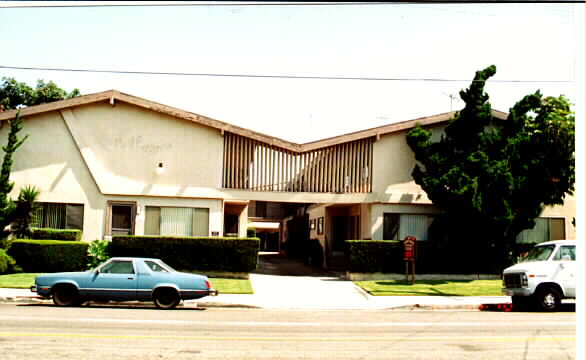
(545, 229)
(58, 216)
(176, 221)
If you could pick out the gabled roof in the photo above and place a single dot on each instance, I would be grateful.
(112, 96)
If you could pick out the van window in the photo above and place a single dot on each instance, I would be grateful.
(567, 253)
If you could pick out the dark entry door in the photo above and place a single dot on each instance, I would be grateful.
(123, 219)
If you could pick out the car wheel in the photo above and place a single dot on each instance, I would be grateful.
(548, 299)
(65, 295)
(166, 298)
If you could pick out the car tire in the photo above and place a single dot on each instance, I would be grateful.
(548, 299)
(166, 298)
(65, 295)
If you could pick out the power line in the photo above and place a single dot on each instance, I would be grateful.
(67, 4)
(271, 76)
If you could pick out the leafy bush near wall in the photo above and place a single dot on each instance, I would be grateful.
(97, 253)
(56, 234)
(192, 253)
(49, 255)
(7, 263)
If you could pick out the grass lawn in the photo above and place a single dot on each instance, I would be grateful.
(224, 286)
(432, 287)
(17, 281)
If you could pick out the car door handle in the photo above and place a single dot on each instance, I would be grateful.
(131, 278)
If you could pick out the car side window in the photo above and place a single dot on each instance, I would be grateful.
(566, 253)
(155, 267)
(118, 267)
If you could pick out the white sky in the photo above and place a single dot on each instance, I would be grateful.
(524, 41)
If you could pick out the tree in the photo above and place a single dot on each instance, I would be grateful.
(7, 206)
(14, 94)
(493, 178)
(23, 212)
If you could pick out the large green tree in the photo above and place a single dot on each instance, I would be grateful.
(15, 94)
(492, 178)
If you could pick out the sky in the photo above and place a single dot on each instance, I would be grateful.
(530, 44)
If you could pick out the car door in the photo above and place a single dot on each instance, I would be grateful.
(115, 280)
(565, 259)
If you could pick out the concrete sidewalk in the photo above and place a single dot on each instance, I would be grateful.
(310, 293)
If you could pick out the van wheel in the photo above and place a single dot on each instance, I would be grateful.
(65, 295)
(548, 299)
(166, 298)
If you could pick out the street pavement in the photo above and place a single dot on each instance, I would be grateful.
(281, 283)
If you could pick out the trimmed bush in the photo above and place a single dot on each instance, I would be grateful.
(7, 263)
(49, 255)
(369, 256)
(192, 253)
(56, 234)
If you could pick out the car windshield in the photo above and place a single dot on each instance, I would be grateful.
(539, 253)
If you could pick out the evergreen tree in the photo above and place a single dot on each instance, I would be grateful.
(493, 178)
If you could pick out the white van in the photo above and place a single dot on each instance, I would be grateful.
(544, 277)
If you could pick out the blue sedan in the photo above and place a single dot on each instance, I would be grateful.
(124, 279)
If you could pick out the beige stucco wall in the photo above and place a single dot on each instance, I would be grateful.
(96, 153)
(50, 160)
(123, 144)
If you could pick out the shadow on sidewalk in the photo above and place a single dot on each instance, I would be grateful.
(279, 264)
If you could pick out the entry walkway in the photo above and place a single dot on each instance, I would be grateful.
(282, 283)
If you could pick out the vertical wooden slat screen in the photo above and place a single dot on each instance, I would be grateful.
(253, 165)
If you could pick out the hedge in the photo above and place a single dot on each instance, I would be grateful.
(369, 256)
(49, 255)
(7, 263)
(56, 234)
(191, 253)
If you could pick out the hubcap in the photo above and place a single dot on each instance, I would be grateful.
(549, 300)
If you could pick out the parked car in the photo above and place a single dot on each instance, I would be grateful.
(545, 276)
(124, 279)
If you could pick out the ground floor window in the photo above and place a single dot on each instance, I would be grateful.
(399, 226)
(545, 229)
(176, 221)
(58, 216)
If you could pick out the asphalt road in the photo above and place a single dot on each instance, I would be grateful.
(101, 332)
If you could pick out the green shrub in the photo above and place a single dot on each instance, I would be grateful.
(97, 253)
(369, 256)
(192, 253)
(49, 255)
(56, 234)
(7, 263)
(251, 232)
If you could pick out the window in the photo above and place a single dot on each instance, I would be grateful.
(545, 229)
(118, 267)
(566, 253)
(399, 226)
(176, 221)
(155, 267)
(58, 216)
